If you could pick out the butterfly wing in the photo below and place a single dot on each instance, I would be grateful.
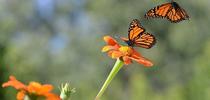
(159, 11)
(145, 40)
(137, 36)
(172, 11)
(135, 29)
(177, 14)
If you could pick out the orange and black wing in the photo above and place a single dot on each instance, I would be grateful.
(137, 36)
(172, 11)
(135, 29)
(159, 11)
(177, 14)
(145, 40)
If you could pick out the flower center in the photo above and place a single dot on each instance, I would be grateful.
(125, 50)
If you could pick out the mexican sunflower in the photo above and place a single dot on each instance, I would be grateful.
(35, 91)
(124, 55)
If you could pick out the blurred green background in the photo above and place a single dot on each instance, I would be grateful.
(58, 41)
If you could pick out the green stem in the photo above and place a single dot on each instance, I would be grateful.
(118, 65)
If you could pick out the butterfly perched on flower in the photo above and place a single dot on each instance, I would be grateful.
(137, 37)
(172, 11)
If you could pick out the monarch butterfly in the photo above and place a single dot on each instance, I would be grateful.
(137, 36)
(172, 11)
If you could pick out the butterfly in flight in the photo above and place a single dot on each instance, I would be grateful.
(137, 36)
(172, 11)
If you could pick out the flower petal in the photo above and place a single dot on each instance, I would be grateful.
(110, 41)
(20, 95)
(110, 53)
(136, 53)
(126, 60)
(51, 96)
(107, 48)
(39, 89)
(34, 87)
(116, 54)
(46, 88)
(14, 83)
(143, 61)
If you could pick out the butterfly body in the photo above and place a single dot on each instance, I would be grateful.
(130, 43)
(172, 11)
(137, 36)
(174, 5)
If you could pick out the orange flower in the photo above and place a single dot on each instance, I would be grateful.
(125, 53)
(33, 88)
(42, 90)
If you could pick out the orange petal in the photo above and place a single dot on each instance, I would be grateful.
(136, 53)
(51, 96)
(110, 41)
(34, 87)
(110, 53)
(39, 89)
(143, 61)
(20, 95)
(107, 48)
(14, 83)
(126, 60)
(46, 88)
(116, 54)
